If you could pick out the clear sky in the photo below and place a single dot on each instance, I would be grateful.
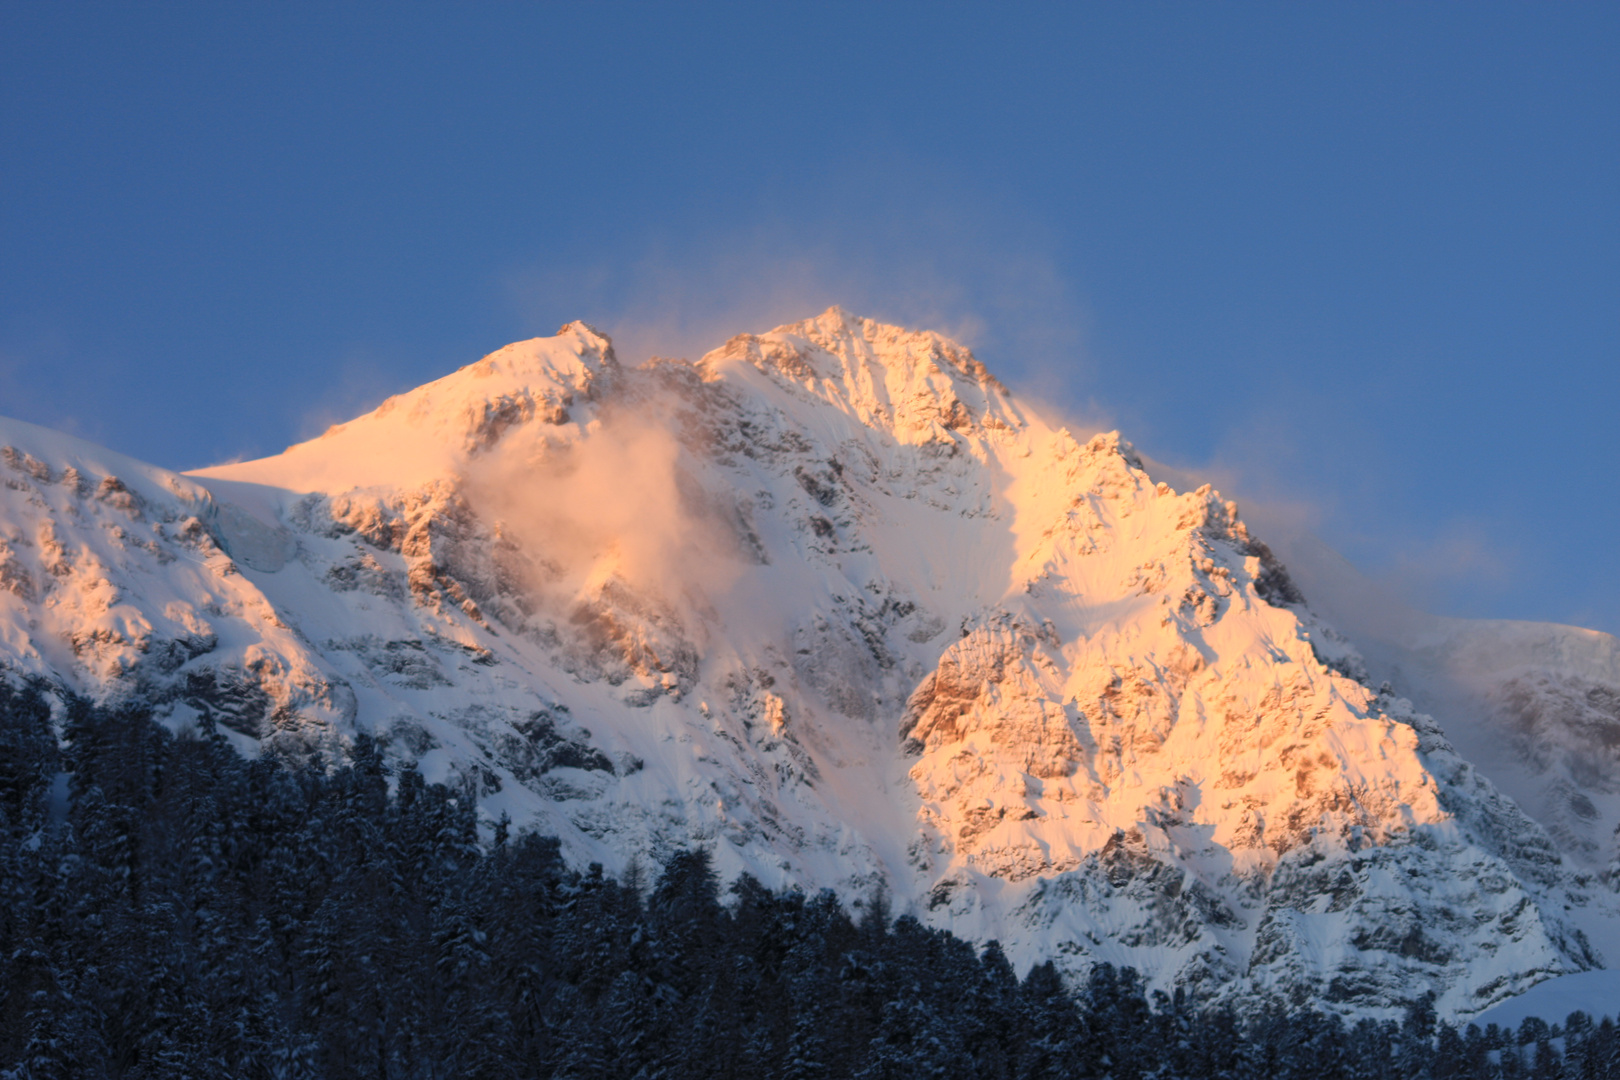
(1360, 258)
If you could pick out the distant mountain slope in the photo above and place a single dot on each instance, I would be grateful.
(833, 603)
(1535, 706)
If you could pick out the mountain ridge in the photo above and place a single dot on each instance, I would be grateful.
(833, 603)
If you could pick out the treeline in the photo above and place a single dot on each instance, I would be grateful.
(170, 909)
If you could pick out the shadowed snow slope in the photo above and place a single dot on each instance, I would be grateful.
(1535, 706)
(834, 604)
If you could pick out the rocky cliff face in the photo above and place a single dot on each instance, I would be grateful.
(1534, 706)
(832, 602)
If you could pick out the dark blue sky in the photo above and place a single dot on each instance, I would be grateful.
(1362, 258)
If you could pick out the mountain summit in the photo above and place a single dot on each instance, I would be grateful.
(831, 602)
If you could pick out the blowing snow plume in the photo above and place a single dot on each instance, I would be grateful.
(612, 532)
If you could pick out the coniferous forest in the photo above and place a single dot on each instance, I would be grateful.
(171, 909)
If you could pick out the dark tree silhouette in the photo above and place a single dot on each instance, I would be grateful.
(170, 909)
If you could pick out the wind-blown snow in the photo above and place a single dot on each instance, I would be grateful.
(835, 604)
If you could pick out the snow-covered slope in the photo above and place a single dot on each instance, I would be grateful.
(115, 583)
(833, 603)
(1535, 706)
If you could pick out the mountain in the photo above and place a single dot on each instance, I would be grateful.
(834, 604)
(1535, 706)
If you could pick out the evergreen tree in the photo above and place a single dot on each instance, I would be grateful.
(173, 910)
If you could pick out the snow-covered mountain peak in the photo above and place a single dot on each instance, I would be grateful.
(917, 386)
(431, 431)
(832, 603)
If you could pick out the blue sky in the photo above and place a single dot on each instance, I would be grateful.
(1364, 259)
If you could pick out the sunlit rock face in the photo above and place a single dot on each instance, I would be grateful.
(834, 604)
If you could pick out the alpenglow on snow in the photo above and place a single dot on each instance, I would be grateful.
(833, 604)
